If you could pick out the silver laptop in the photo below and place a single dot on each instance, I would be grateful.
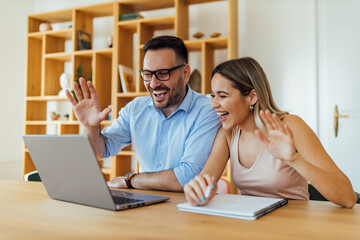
(71, 172)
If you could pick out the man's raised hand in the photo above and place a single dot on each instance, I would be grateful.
(87, 109)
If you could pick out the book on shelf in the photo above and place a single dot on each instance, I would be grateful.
(129, 16)
(127, 80)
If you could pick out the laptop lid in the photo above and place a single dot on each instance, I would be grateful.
(71, 172)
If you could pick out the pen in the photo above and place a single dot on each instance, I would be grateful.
(208, 189)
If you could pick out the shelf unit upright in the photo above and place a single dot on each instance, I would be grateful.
(47, 56)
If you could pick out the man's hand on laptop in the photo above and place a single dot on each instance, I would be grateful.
(86, 107)
(117, 182)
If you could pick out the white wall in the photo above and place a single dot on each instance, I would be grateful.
(280, 34)
(45, 5)
(13, 27)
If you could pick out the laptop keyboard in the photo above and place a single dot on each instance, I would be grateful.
(124, 200)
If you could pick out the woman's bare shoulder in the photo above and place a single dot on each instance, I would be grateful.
(293, 120)
(298, 125)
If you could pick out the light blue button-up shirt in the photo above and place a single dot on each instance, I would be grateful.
(182, 142)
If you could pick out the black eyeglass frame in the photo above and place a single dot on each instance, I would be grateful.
(164, 69)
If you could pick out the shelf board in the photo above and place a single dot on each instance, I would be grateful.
(190, 2)
(105, 52)
(157, 23)
(63, 33)
(84, 53)
(54, 16)
(134, 94)
(126, 153)
(36, 35)
(193, 45)
(98, 10)
(38, 122)
(130, 25)
(216, 43)
(68, 122)
(65, 57)
(46, 98)
(106, 122)
(90, 52)
(54, 122)
(106, 171)
(145, 5)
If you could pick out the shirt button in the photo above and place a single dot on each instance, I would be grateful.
(162, 142)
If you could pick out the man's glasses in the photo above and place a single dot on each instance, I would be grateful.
(161, 74)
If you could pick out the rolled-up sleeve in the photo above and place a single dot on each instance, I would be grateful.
(117, 136)
(198, 146)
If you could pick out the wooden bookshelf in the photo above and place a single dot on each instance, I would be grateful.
(47, 56)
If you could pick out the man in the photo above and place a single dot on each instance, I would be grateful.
(172, 130)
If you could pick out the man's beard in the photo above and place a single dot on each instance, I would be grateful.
(174, 96)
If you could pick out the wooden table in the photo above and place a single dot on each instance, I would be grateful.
(27, 212)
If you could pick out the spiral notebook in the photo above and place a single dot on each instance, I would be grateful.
(236, 206)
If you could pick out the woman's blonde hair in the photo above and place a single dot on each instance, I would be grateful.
(246, 74)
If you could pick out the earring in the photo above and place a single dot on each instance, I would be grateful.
(251, 107)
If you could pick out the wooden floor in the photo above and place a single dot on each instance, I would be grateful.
(11, 170)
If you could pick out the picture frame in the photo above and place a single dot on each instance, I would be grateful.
(127, 80)
(84, 40)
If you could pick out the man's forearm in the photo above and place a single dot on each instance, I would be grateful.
(97, 140)
(164, 180)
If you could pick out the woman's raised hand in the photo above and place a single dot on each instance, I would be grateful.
(87, 109)
(280, 142)
(200, 190)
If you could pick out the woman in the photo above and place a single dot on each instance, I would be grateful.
(272, 153)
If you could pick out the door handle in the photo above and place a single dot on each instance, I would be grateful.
(336, 119)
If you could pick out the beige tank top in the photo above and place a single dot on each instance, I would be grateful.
(267, 177)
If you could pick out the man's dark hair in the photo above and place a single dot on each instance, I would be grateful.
(171, 42)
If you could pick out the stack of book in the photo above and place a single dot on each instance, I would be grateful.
(129, 16)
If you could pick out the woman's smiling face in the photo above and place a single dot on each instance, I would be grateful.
(230, 105)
